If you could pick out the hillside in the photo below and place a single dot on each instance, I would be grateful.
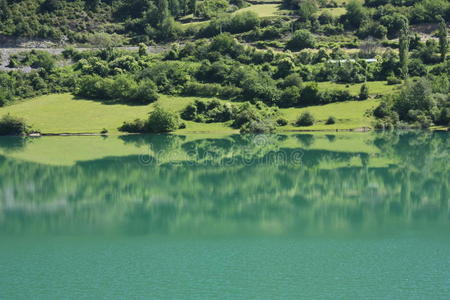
(250, 66)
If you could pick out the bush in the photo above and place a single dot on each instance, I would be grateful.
(248, 112)
(393, 80)
(290, 97)
(302, 39)
(10, 125)
(211, 90)
(136, 126)
(281, 122)
(258, 127)
(364, 92)
(331, 120)
(145, 92)
(161, 121)
(208, 111)
(305, 119)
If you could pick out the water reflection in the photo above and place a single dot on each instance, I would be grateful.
(266, 184)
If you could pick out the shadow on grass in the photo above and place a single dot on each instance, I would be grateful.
(111, 102)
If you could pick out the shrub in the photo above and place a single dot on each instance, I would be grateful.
(305, 119)
(211, 90)
(393, 80)
(331, 120)
(43, 60)
(123, 88)
(258, 127)
(161, 121)
(136, 126)
(208, 111)
(364, 92)
(281, 122)
(10, 125)
(332, 96)
(290, 97)
(145, 92)
(302, 39)
(310, 95)
(248, 112)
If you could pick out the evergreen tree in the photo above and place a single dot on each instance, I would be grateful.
(443, 41)
(404, 49)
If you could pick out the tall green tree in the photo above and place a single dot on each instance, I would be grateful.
(163, 11)
(404, 49)
(443, 41)
(193, 7)
(355, 14)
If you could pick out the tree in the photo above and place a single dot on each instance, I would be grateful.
(10, 125)
(305, 119)
(364, 92)
(306, 9)
(145, 92)
(355, 13)
(302, 39)
(142, 49)
(404, 49)
(443, 41)
(163, 12)
(193, 7)
(161, 120)
(92, 5)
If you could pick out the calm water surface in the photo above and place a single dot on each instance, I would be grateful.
(232, 217)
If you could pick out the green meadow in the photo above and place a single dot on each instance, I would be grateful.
(64, 113)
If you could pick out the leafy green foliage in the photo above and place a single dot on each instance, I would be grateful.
(207, 112)
(302, 39)
(305, 119)
(119, 88)
(331, 120)
(364, 92)
(419, 104)
(11, 125)
(160, 120)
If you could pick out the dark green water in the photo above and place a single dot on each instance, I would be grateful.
(196, 217)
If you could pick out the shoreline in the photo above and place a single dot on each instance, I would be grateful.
(354, 130)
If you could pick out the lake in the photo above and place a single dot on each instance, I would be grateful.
(324, 215)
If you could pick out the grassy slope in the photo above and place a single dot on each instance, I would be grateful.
(262, 10)
(62, 113)
(334, 11)
(375, 87)
(350, 115)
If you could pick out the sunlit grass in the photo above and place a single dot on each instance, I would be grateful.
(334, 11)
(349, 115)
(262, 10)
(63, 113)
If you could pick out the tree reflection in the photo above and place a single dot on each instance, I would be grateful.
(206, 182)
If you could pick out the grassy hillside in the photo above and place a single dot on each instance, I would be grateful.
(63, 113)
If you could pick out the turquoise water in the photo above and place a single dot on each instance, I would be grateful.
(202, 217)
